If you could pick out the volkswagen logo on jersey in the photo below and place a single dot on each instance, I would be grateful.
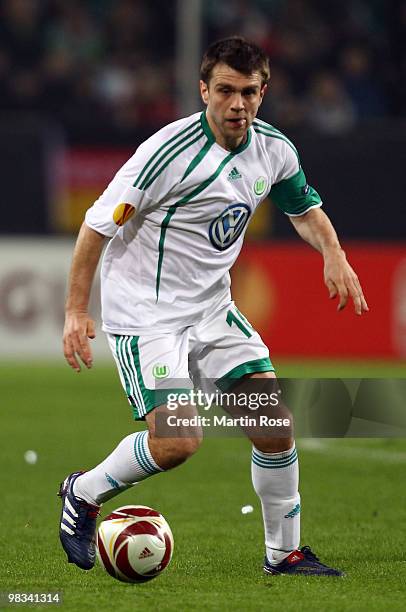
(227, 228)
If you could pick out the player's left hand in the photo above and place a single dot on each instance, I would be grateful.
(342, 281)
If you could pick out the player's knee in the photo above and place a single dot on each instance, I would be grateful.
(173, 445)
(273, 445)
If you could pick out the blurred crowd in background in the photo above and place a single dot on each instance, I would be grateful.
(108, 65)
(84, 82)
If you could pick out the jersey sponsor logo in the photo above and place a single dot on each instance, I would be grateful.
(122, 213)
(227, 228)
(260, 185)
(160, 371)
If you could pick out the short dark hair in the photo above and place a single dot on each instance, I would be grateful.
(241, 55)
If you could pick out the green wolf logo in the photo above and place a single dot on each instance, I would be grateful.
(160, 371)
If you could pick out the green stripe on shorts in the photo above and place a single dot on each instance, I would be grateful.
(249, 367)
(142, 399)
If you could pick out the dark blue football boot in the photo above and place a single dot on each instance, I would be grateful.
(77, 529)
(302, 562)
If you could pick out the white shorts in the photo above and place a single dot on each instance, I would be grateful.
(220, 349)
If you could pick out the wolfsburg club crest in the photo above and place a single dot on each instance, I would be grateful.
(227, 228)
(160, 371)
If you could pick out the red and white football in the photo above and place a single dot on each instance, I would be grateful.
(134, 543)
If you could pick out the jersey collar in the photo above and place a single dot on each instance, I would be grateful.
(211, 138)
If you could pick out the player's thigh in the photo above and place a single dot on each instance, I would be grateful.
(230, 356)
(151, 368)
(225, 347)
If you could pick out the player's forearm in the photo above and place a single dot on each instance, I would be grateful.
(316, 229)
(86, 255)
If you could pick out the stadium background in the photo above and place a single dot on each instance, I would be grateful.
(83, 83)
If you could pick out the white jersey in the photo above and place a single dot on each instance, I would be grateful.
(177, 212)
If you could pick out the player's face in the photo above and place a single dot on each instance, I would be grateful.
(232, 100)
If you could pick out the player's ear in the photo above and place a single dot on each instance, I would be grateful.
(204, 91)
(262, 93)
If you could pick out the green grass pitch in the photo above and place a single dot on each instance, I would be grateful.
(353, 494)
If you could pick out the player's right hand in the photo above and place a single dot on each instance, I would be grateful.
(79, 327)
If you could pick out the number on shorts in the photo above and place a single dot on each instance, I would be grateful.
(240, 321)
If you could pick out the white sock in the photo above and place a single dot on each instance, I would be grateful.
(275, 477)
(130, 462)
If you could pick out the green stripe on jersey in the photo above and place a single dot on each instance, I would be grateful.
(265, 130)
(150, 177)
(270, 128)
(162, 148)
(197, 159)
(173, 209)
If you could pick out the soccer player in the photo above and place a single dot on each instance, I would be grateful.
(175, 216)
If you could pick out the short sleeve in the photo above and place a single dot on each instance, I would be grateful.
(115, 207)
(120, 200)
(291, 191)
(146, 178)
